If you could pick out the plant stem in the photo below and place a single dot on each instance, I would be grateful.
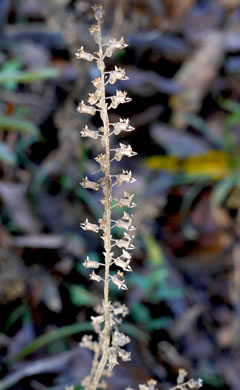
(106, 334)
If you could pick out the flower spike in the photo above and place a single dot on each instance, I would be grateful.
(108, 348)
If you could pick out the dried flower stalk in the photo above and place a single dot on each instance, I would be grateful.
(109, 346)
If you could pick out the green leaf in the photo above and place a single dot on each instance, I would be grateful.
(229, 105)
(14, 316)
(159, 323)
(6, 155)
(212, 380)
(28, 76)
(158, 277)
(203, 127)
(134, 331)
(81, 297)
(140, 313)
(221, 190)
(139, 280)
(166, 293)
(10, 67)
(9, 123)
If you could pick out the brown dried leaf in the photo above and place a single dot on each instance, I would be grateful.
(230, 4)
(14, 198)
(50, 293)
(52, 241)
(12, 276)
(196, 76)
(183, 324)
(176, 11)
(181, 145)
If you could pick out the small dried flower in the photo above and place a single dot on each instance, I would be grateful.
(97, 82)
(94, 97)
(124, 355)
(192, 384)
(119, 309)
(117, 74)
(119, 282)
(119, 98)
(123, 264)
(182, 373)
(96, 322)
(83, 55)
(126, 255)
(101, 160)
(87, 342)
(151, 385)
(83, 109)
(122, 125)
(125, 222)
(126, 201)
(86, 132)
(98, 12)
(90, 264)
(113, 45)
(95, 32)
(119, 339)
(86, 183)
(95, 277)
(124, 177)
(90, 226)
(112, 357)
(124, 151)
(125, 242)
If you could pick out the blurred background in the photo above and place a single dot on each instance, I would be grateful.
(183, 61)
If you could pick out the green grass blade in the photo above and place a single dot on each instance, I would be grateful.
(47, 338)
(8, 123)
(28, 76)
